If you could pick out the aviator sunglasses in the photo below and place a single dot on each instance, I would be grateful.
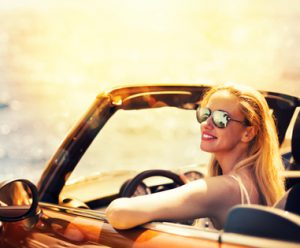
(220, 118)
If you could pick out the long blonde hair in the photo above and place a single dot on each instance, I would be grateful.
(263, 152)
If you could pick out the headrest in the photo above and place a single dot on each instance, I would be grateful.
(296, 140)
(283, 107)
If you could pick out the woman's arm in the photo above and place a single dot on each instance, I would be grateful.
(201, 198)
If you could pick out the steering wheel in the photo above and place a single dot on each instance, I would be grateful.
(131, 186)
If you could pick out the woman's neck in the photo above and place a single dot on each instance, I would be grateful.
(228, 161)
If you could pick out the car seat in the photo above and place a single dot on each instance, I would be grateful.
(279, 222)
(283, 107)
(293, 200)
(294, 163)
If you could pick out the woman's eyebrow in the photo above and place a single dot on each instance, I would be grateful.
(222, 110)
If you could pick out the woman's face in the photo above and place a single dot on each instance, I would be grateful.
(220, 140)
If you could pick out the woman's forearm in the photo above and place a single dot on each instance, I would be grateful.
(121, 215)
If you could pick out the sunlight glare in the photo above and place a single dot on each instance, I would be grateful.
(143, 41)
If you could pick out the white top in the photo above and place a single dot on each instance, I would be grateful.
(244, 192)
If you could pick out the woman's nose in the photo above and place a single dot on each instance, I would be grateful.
(208, 123)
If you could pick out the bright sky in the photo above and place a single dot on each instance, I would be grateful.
(96, 44)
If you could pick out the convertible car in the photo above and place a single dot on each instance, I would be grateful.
(140, 140)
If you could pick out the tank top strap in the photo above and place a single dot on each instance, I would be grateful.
(243, 190)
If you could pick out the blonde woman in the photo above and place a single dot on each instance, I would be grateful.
(238, 129)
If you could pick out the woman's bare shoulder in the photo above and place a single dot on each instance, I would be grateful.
(216, 191)
(222, 183)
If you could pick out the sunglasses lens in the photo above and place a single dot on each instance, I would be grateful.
(220, 118)
(203, 114)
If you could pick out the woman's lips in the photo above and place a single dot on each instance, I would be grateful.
(207, 136)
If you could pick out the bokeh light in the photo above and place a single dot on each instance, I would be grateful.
(56, 56)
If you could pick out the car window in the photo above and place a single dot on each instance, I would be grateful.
(136, 140)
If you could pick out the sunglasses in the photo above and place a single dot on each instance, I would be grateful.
(220, 118)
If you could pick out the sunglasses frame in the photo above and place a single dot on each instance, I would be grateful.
(211, 114)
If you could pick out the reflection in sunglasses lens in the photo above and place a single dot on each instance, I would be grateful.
(220, 118)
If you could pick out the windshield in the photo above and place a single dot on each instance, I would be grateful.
(136, 140)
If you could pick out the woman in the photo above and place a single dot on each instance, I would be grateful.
(239, 131)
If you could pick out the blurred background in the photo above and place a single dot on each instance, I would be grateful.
(56, 56)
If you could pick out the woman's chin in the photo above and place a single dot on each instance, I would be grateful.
(206, 148)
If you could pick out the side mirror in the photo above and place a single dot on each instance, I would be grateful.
(18, 200)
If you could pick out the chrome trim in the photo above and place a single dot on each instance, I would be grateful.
(167, 92)
(185, 230)
(290, 174)
(90, 213)
(35, 243)
(237, 239)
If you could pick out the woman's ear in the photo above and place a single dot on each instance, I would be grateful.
(249, 133)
